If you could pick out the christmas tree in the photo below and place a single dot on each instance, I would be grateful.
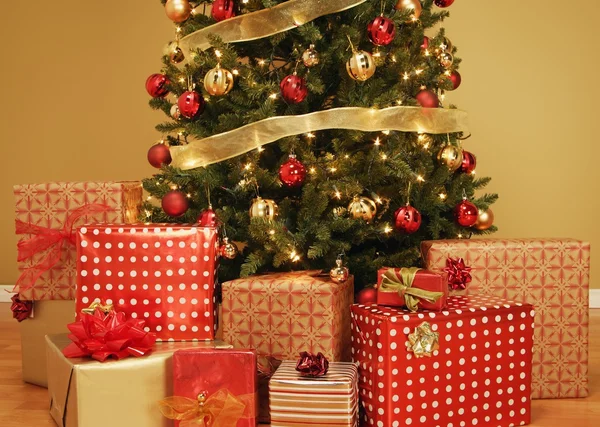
(274, 108)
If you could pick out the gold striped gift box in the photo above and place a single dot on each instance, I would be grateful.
(326, 401)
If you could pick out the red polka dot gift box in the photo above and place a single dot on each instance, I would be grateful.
(162, 273)
(467, 365)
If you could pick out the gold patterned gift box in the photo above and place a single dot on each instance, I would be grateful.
(551, 274)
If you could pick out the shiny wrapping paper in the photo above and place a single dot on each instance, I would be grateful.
(328, 400)
(49, 205)
(425, 280)
(551, 274)
(162, 273)
(282, 314)
(210, 370)
(480, 375)
(124, 393)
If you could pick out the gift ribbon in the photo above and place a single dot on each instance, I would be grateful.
(44, 238)
(423, 342)
(402, 283)
(222, 409)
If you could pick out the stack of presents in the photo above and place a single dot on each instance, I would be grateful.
(127, 317)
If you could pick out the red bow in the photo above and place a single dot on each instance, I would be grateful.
(20, 309)
(102, 336)
(310, 365)
(458, 273)
(44, 238)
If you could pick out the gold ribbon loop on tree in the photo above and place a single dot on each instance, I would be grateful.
(402, 283)
(223, 146)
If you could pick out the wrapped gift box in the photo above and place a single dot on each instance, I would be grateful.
(84, 392)
(551, 274)
(162, 273)
(329, 400)
(282, 314)
(432, 283)
(468, 365)
(47, 214)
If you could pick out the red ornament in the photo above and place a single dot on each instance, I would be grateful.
(456, 79)
(367, 296)
(190, 104)
(425, 44)
(223, 9)
(159, 155)
(208, 218)
(292, 173)
(407, 219)
(458, 273)
(469, 162)
(175, 203)
(428, 99)
(466, 213)
(443, 3)
(293, 89)
(382, 31)
(156, 85)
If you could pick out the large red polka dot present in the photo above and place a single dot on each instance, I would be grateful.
(161, 273)
(467, 365)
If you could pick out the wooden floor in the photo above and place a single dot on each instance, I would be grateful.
(26, 405)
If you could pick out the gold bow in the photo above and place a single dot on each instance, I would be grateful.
(97, 306)
(402, 283)
(423, 341)
(222, 409)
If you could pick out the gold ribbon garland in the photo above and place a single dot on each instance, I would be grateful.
(402, 283)
(223, 146)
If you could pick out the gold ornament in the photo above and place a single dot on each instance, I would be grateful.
(423, 341)
(414, 6)
(361, 65)
(263, 208)
(310, 57)
(228, 249)
(218, 81)
(363, 208)
(176, 55)
(485, 219)
(175, 113)
(451, 156)
(446, 59)
(445, 45)
(339, 274)
(178, 10)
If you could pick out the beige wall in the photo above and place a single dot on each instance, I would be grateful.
(75, 107)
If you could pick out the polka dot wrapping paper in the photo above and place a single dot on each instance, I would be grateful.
(162, 273)
(480, 374)
(551, 274)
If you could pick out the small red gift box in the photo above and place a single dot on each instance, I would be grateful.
(161, 273)
(412, 288)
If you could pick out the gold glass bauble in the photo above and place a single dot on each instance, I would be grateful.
(485, 219)
(451, 156)
(218, 81)
(362, 208)
(310, 57)
(361, 65)
(414, 6)
(263, 208)
(339, 274)
(446, 45)
(176, 55)
(178, 10)
(175, 113)
(228, 249)
(446, 59)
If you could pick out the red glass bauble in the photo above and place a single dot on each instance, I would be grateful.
(469, 162)
(293, 89)
(407, 219)
(175, 203)
(443, 3)
(428, 99)
(382, 31)
(292, 173)
(190, 104)
(156, 85)
(367, 296)
(159, 155)
(208, 218)
(466, 213)
(223, 9)
(425, 44)
(456, 79)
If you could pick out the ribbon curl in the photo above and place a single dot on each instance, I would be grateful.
(44, 238)
(402, 283)
(459, 275)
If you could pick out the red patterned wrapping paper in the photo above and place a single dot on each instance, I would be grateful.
(49, 205)
(480, 375)
(211, 370)
(162, 273)
(551, 274)
(425, 280)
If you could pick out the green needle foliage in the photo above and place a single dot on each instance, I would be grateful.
(313, 221)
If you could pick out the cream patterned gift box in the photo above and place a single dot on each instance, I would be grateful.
(551, 274)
